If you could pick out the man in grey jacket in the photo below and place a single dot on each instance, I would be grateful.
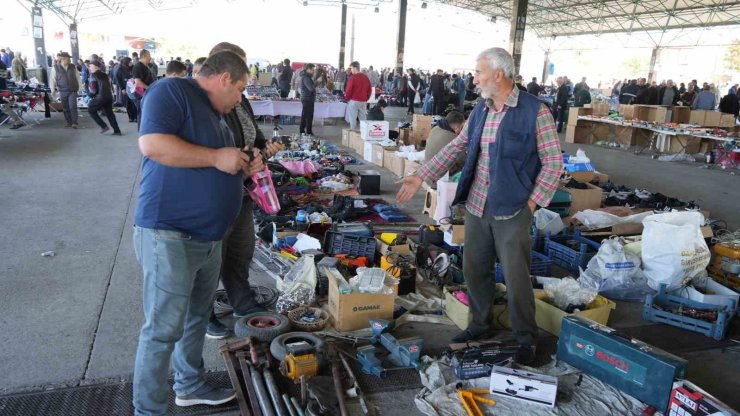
(308, 98)
(67, 83)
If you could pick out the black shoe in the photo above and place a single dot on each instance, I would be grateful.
(468, 335)
(217, 330)
(16, 126)
(117, 133)
(526, 354)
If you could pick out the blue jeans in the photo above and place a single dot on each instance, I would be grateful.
(180, 281)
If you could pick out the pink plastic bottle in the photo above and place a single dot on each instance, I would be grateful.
(263, 192)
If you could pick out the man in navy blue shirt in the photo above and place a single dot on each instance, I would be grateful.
(190, 194)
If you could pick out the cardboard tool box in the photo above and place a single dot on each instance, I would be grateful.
(475, 361)
(524, 385)
(689, 400)
(638, 369)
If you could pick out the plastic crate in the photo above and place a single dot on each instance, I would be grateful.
(557, 250)
(662, 300)
(338, 243)
(540, 266)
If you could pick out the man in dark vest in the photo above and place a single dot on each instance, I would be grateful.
(67, 83)
(512, 165)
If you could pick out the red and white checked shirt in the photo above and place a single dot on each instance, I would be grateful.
(548, 149)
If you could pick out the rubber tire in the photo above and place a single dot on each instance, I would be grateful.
(241, 329)
(277, 347)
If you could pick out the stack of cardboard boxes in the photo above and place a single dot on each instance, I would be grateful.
(582, 131)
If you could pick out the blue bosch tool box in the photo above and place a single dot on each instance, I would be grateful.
(632, 366)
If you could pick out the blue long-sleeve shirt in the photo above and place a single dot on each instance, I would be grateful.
(706, 100)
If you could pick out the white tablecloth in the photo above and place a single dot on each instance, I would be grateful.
(294, 108)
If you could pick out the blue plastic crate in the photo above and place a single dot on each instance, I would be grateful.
(716, 330)
(571, 260)
(541, 266)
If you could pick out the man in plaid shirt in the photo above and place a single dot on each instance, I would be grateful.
(513, 163)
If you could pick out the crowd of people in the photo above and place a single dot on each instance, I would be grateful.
(706, 97)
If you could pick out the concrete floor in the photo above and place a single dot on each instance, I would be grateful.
(73, 319)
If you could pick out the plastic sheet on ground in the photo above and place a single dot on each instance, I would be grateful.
(677, 157)
(585, 398)
(593, 219)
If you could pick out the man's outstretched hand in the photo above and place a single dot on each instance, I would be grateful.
(409, 186)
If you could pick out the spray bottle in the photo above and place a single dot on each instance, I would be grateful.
(261, 189)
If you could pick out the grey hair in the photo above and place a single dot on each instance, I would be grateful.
(499, 58)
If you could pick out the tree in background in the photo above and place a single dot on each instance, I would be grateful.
(732, 59)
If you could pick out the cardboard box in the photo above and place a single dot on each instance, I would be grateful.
(574, 112)
(377, 154)
(388, 154)
(712, 119)
(459, 313)
(601, 177)
(386, 249)
(727, 120)
(430, 200)
(715, 294)
(684, 144)
(583, 199)
(698, 117)
(586, 132)
(600, 109)
(345, 137)
(403, 136)
(627, 111)
(688, 399)
(396, 164)
(374, 130)
(641, 112)
(419, 135)
(356, 142)
(549, 316)
(631, 136)
(410, 168)
(421, 121)
(354, 310)
(457, 234)
(680, 114)
(524, 385)
(658, 115)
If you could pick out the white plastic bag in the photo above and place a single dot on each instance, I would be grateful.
(615, 273)
(592, 219)
(547, 221)
(673, 248)
(299, 285)
(567, 293)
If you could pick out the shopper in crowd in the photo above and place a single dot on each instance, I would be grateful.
(153, 69)
(308, 98)
(403, 89)
(583, 95)
(681, 90)
(519, 83)
(377, 113)
(689, 96)
(458, 88)
(579, 86)
(561, 102)
(705, 100)
(372, 75)
(176, 69)
(239, 242)
(284, 79)
(320, 78)
(5, 58)
(189, 66)
(730, 103)
(668, 95)
(18, 68)
(653, 95)
(441, 135)
(67, 82)
(629, 92)
(414, 90)
(190, 195)
(500, 206)
(533, 87)
(357, 94)
(101, 99)
(733, 89)
(122, 77)
(643, 92)
(436, 86)
(143, 78)
(198, 64)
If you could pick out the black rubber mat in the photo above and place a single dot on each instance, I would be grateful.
(101, 399)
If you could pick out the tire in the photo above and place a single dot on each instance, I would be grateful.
(277, 347)
(263, 326)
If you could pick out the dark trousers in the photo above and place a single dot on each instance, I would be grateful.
(507, 241)
(439, 104)
(93, 109)
(130, 107)
(561, 116)
(237, 250)
(137, 104)
(412, 95)
(307, 117)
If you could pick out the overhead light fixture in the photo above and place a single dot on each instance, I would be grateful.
(377, 9)
(423, 5)
(493, 19)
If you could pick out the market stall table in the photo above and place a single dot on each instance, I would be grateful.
(322, 110)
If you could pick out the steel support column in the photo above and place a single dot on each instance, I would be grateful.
(653, 60)
(401, 38)
(74, 44)
(39, 46)
(352, 41)
(516, 36)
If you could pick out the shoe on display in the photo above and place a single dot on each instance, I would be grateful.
(207, 394)
(526, 354)
(217, 330)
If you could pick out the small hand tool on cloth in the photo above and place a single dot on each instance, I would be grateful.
(468, 398)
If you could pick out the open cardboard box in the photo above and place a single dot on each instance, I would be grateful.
(355, 310)
(459, 313)
(549, 316)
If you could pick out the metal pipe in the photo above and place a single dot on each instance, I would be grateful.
(264, 398)
(274, 393)
(338, 387)
(286, 400)
(297, 407)
(304, 391)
